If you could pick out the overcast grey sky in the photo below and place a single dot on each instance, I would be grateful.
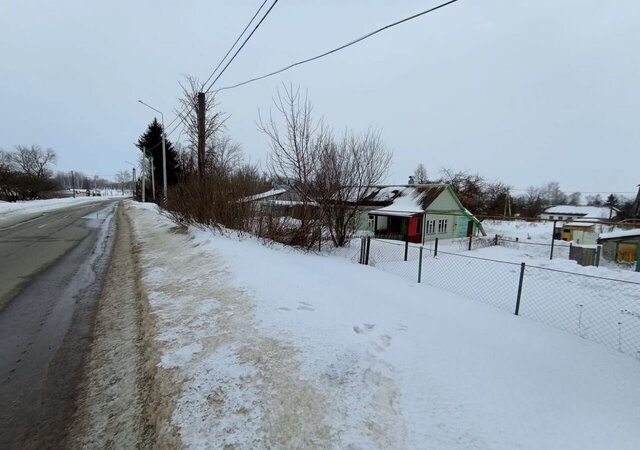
(523, 91)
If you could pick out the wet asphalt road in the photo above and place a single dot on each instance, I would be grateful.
(51, 269)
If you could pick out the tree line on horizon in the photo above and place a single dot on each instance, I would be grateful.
(484, 197)
(26, 173)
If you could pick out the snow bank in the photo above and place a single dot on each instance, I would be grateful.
(276, 348)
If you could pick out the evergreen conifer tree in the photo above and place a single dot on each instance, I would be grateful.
(151, 140)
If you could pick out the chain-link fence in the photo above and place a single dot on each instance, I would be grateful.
(600, 309)
(553, 251)
(604, 310)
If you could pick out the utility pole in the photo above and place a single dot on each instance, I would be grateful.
(134, 186)
(73, 185)
(201, 133)
(144, 176)
(153, 179)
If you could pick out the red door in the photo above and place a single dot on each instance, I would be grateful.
(469, 229)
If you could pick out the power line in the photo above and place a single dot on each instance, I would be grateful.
(243, 44)
(348, 44)
(239, 37)
(226, 54)
(188, 110)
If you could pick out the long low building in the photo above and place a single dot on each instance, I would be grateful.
(568, 213)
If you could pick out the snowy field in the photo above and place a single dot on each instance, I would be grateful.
(269, 347)
(601, 304)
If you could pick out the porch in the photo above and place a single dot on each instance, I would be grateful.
(399, 226)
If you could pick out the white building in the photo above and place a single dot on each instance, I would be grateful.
(567, 213)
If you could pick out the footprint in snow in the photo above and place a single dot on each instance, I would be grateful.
(366, 327)
(304, 306)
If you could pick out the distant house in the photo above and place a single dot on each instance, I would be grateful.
(568, 213)
(419, 213)
(621, 246)
(280, 200)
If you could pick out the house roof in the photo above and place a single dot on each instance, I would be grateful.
(620, 234)
(411, 200)
(586, 212)
(579, 224)
(263, 195)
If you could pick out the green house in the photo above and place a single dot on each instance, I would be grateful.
(419, 213)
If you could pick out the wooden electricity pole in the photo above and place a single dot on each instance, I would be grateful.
(201, 133)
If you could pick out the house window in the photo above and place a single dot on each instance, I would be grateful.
(372, 222)
(431, 226)
(559, 217)
(550, 217)
(442, 225)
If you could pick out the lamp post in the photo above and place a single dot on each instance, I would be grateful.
(164, 151)
(153, 178)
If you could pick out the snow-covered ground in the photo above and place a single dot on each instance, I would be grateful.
(273, 348)
(586, 301)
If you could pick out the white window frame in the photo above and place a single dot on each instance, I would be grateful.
(443, 224)
(430, 227)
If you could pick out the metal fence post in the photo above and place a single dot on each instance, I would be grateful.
(366, 253)
(522, 267)
(598, 252)
(470, 241)
(362, 246)
(435, 250)
(406, 249)
(495, 242)
(553, 238)
(420, 266)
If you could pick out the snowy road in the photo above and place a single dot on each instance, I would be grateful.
(50, 270)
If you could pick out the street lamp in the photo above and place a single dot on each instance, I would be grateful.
(164, 151)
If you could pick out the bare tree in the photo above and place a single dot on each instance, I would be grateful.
(294, 155)
(420, 174)
(552, 194)
(25, 173)
(332, 175)
(33, 161)
(123, 177)
(575, 198)
(187, 111)
(347, 170)
(223, 155)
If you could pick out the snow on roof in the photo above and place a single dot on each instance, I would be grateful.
(587, 212)
(579, 224)
(620, 234)
(269, 193)
(411, 201)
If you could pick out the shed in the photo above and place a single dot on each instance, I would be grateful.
(621, 246)
(580, 232)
